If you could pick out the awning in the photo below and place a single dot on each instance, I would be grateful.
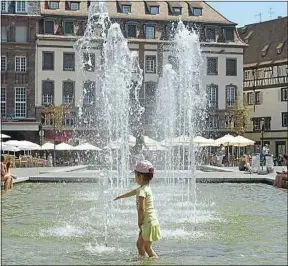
(174, 4)
(149, 4)
(59, 136)
(19, 126)
(195, 4)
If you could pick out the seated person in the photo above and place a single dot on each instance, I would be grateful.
(5, 176)
(281, 179)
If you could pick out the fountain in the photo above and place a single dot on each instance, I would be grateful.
(80, 224)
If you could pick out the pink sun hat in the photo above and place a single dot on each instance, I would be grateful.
(144, 167)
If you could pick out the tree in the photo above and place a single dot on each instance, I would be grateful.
(53, 118)
(239, 121)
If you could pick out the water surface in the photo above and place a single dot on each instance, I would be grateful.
(54, 224)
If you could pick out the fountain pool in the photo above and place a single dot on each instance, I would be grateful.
(48, 223)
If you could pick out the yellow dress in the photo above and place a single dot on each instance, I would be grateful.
(150, 227)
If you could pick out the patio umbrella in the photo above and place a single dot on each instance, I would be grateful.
(200, 140)
(86, 147)
(9, 148)
(48, 146)
(4, 136)
(27, 145)
(241, 141)
(116, 144)
(153, 145)
(64, 147)
(225, 140)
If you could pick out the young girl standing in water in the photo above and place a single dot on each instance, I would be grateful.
(149, 229)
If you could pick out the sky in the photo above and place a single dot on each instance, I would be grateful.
(244, 13)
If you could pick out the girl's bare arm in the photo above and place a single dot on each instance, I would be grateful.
(127, 195)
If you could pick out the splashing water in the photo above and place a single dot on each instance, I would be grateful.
(181, 105)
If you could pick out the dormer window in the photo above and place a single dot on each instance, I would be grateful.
(265, 49)
(229, 35)
(279, 47)
(175, 8)
(177, 11)
(126, 9)
(246, 39)
(195, 8)
(72, 5)
(154, 10)
(53, 4)
(196, 11)
(4, 6)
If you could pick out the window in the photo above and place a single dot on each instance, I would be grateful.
(4, 6)
(177, 11)
(47, 92)
(212, 66)
(89, 62)
(267, 123)
(150, 64)
(20, 64)
(231, 67)
(49, 26)
(196, 11)
(230, 95)
(3, 102)
(68, 28)
(68, 61)
(68, 92)
(89, 92)
(229, 35)
(126, 9)
(48, 61)
(21, 6)
(3, 63)
(257, 97)
(53, 4)
(250, 98)
(3, 33)
(21, 33)
(131, 30)
(72, 5)
(149, 32)
(212, 95)
(257, 123)
(284, 94)
(210, 34)
(20, 102)
(154, 10)
(284, 119)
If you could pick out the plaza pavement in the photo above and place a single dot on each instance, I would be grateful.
(82, 174)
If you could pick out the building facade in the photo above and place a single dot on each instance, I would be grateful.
(19, 25)
(266, 82)
(147, 26)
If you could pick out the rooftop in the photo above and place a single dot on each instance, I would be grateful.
(267, 41)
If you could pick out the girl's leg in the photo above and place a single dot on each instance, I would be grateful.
(148, 248)
(140, 246)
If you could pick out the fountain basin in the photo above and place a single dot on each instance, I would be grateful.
(63, 223)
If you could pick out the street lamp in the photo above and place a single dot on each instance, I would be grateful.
(41, 134)
(262, 123)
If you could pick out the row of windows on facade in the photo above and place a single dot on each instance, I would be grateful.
(22, 32)
(89, 63)
(266, 72)
(20, 105)
(152, 8)
(215, 123)
(14, 6)
(131, 30)
(252, 98)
